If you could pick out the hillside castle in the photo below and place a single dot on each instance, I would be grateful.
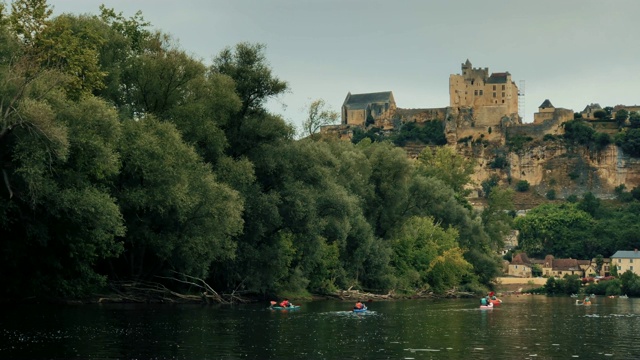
(480, 103)
(483, 108)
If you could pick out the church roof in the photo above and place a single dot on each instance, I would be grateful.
(361, 101)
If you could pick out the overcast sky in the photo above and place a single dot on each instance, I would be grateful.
(572, 52)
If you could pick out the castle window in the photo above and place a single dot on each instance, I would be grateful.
(494, 87)
(502, 87)
(494, 94)
(480, 93)
(503, 101)
(475, 92)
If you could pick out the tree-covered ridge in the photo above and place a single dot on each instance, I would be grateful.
(124, 158)
(582, 229)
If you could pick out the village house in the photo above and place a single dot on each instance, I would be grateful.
(626, 261)
(522, 266)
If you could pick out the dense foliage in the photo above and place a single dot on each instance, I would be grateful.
(580, 230)
(124, 158)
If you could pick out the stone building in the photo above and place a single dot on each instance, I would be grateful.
(546, 111)
(490, 96)
(626, 261)
(629, 108)
(589, 110)
(366, 109)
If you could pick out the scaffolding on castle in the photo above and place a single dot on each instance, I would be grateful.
(521, 103)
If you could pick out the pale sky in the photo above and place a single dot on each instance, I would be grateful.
(572, 52)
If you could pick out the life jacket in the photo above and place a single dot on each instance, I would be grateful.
(359, 305)
(483, 301)
(284, 303)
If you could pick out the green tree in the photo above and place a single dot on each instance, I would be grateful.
(629, 141)
(426, 256)
(590, 204)
(601, 140)
(247, 65)
(495, 216)
(578, 132)
(318, 116)
(449, 166)
(562, 230)
(489, 183)
(621, 117)
(599, 263)
(29, 18)
(600, 114)
(178, 216)
(63, 219)
(634, 119)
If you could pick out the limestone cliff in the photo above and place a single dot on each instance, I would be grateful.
(566, 169)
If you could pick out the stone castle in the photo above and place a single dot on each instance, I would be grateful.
(480, 104)
(483, 107)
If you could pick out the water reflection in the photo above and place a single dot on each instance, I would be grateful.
(525, 327)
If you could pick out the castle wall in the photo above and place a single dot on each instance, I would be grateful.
(537, 131)
(421, 115)
(553, 114)
(355, 117)
(456, 91)
(489, 115)
(342, 132)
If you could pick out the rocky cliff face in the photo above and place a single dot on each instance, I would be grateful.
(567, 170)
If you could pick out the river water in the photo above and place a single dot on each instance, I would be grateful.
(523, 327)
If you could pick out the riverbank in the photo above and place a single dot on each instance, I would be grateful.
(153, 293)
(518, 285)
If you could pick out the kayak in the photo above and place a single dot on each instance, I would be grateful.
(294, 307)
(360, 310)
(490, 306)
(496, 301)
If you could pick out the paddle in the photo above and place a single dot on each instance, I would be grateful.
(273, 303)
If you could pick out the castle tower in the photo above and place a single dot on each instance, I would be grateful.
(494, 95)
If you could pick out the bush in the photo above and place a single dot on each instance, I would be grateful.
(500, 162)
(551, 194)
(574, 175)
(522, 186)
(518, 142)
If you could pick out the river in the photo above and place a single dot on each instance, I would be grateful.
(523, 327)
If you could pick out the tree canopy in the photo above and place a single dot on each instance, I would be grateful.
(124, 158)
